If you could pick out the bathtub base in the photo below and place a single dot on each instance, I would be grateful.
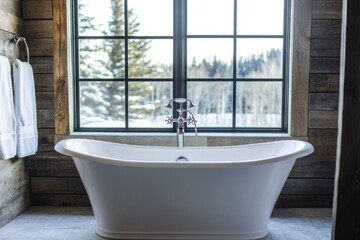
(180, 236)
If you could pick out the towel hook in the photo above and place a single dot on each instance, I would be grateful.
(18, 39)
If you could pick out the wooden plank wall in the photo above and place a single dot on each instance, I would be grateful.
(55, 181)
(323, 101)
(14, 180)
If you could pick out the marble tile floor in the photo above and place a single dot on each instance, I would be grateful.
(78, 223)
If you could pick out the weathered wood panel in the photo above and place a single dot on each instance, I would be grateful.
(305, 201)
(327, 9)
(46, 135)
(44, 148)
(12, 208)
(44, 82)
(52, 164)
(324, 142)
(45, 100)
(328, 47)
(60, 68)
(300, 74)
(324, 101)
(13, 176)
(45, 118)
(59, 200)
(325, 28)
(38, 29)
(57, 185)
(299, 186)
(41, 47)
(54, 173)
(43, 10)
(324, 82)
(310, 168)
(324, 65)
(14, 189)
(42, 64)
(323, 119)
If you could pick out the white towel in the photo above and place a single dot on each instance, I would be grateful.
(7, 115)
(25, 109)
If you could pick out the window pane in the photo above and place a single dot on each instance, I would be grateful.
(209, 58)
(259, 58)
(150, 58)
(99, 18)
(146, 104)
(210, 17)
(259, 104)
(101, 58)
(150, 18)
(102, 104)
(260, 17)
(213, 103)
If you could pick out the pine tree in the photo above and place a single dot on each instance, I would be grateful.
(107, 100)
(90, 93)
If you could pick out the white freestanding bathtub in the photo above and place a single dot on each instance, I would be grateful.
(143, 192)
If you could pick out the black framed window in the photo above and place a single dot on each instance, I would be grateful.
(230, 57)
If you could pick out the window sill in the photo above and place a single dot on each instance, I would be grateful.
(169, 139)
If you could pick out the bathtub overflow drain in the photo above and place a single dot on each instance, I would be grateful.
(181, 159)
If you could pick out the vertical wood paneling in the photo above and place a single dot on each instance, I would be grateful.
(300, 67)
(324, 84)
(60, 68)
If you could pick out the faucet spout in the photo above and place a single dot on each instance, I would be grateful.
(180, 137)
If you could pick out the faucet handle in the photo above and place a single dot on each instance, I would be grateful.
(169, 120)
(191, 120)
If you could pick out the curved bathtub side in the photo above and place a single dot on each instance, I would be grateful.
(183, 203)
(60, 147)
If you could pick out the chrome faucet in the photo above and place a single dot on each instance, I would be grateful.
(181, 120)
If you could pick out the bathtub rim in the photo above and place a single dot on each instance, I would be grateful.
(62, 148)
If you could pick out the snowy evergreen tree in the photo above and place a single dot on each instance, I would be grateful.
(106, 99)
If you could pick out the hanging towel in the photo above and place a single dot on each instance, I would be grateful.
(7, 115)
(25, 109)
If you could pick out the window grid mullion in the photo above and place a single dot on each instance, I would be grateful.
(77, 66)
(286, 47)
(234, 67)
(126, 65)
